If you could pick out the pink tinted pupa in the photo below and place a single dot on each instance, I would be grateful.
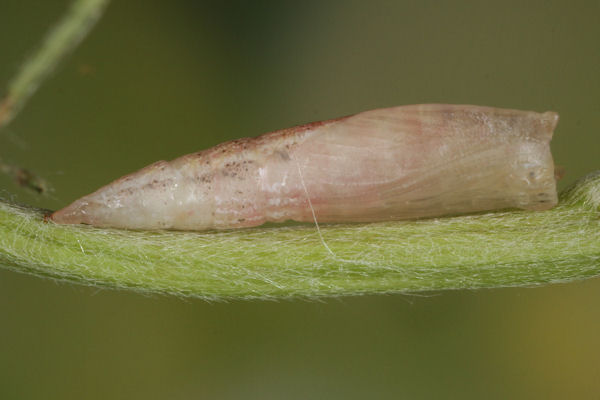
(396, 163)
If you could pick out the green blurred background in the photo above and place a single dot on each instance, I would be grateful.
(159, 79)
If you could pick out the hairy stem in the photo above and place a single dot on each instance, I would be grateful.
(514, 248)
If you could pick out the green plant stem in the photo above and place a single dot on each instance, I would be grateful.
(62, 39)
(514, 248)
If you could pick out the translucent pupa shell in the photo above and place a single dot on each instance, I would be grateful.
(388, 164)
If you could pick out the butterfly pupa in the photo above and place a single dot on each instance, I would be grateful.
(387, 164)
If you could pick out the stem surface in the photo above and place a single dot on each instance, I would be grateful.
(513, 248)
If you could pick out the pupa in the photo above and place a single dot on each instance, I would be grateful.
(396, 163)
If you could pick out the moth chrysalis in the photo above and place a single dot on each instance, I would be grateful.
(396, 163)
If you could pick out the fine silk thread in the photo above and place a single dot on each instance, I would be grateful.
(312, 210)
(339, 259)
